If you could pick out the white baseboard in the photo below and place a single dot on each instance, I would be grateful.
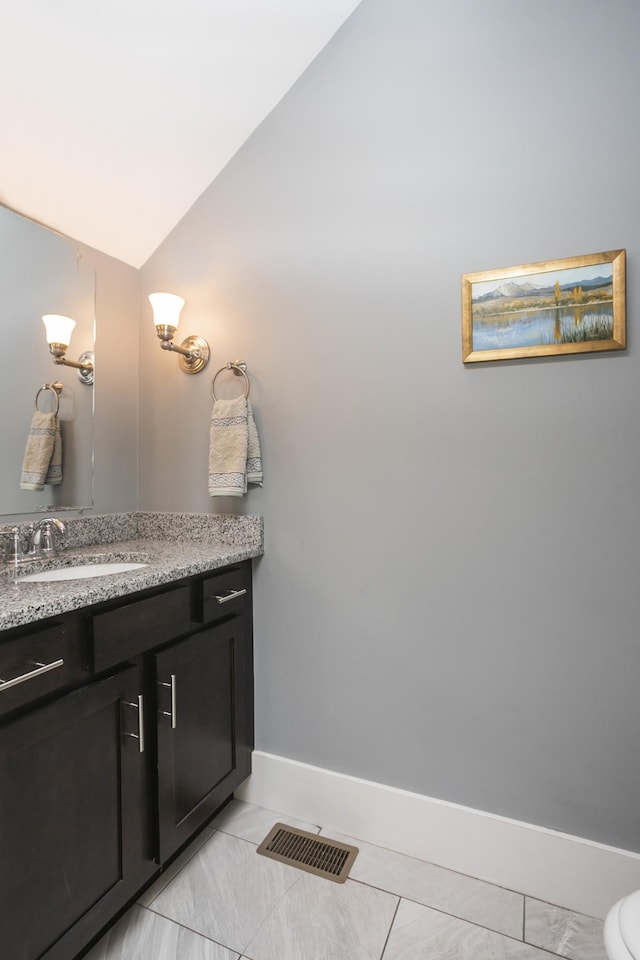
(568, 871)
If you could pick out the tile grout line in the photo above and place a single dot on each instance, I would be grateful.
(558, 906)
(453, 916)
(183, 926)
(276, 904)
(446, 913)
(393, 920)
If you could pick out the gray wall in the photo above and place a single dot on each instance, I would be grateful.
(448, 601)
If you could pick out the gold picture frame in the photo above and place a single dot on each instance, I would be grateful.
(555, 307)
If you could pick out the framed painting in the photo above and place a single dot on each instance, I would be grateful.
(575, 305)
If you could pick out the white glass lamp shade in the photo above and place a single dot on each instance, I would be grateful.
(166, 309)
(59, 329)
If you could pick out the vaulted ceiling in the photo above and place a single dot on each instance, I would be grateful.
(114, 117)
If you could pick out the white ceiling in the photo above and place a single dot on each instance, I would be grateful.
(115, 116)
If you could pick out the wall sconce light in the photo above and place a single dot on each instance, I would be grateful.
(59, 330)
(194, 351)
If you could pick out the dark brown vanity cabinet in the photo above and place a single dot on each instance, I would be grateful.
(204, 692)
(105, 776)
(202, 697)
(75, 841)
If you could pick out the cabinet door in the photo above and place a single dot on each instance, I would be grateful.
(204, 751)
(74, 845)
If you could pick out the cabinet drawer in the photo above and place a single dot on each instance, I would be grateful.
(136, 627)
(223, 594)
(39, 663)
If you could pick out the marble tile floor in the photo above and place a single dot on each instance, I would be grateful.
(220, 901)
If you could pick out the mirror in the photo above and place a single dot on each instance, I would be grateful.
(43, 272)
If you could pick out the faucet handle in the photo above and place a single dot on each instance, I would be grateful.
(16, 545)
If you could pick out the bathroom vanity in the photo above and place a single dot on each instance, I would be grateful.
(126, 720)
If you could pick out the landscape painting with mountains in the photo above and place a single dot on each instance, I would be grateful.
(551, 308)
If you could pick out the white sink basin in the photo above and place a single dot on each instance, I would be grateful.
(81, 572)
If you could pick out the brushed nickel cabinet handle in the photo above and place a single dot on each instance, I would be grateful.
(139, 736)
(172, 714)
(231, 596)
(40, 669)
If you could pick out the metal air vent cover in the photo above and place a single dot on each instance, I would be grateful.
(307, 851)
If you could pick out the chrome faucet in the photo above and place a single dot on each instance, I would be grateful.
(42, 537)
(36, 541)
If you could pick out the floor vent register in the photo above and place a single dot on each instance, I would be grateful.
(307, 851)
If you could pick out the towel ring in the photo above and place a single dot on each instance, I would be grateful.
(240, 370)
(55, 389)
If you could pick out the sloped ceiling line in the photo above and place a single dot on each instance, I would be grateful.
(116, 117)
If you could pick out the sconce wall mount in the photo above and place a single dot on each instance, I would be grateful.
(193, 352)
(58, 332)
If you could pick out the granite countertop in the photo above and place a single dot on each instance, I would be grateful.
(172, 546)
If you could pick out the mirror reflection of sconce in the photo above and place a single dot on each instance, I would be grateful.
(59, 330)
(194, 351)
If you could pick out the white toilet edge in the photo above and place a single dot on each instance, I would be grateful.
(613, 942)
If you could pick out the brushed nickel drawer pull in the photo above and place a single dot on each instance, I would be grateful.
(139, 736)
(40, 669)
(233, 595)
(166, 713)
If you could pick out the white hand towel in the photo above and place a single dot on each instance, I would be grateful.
(39, 451)
(234, 449)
